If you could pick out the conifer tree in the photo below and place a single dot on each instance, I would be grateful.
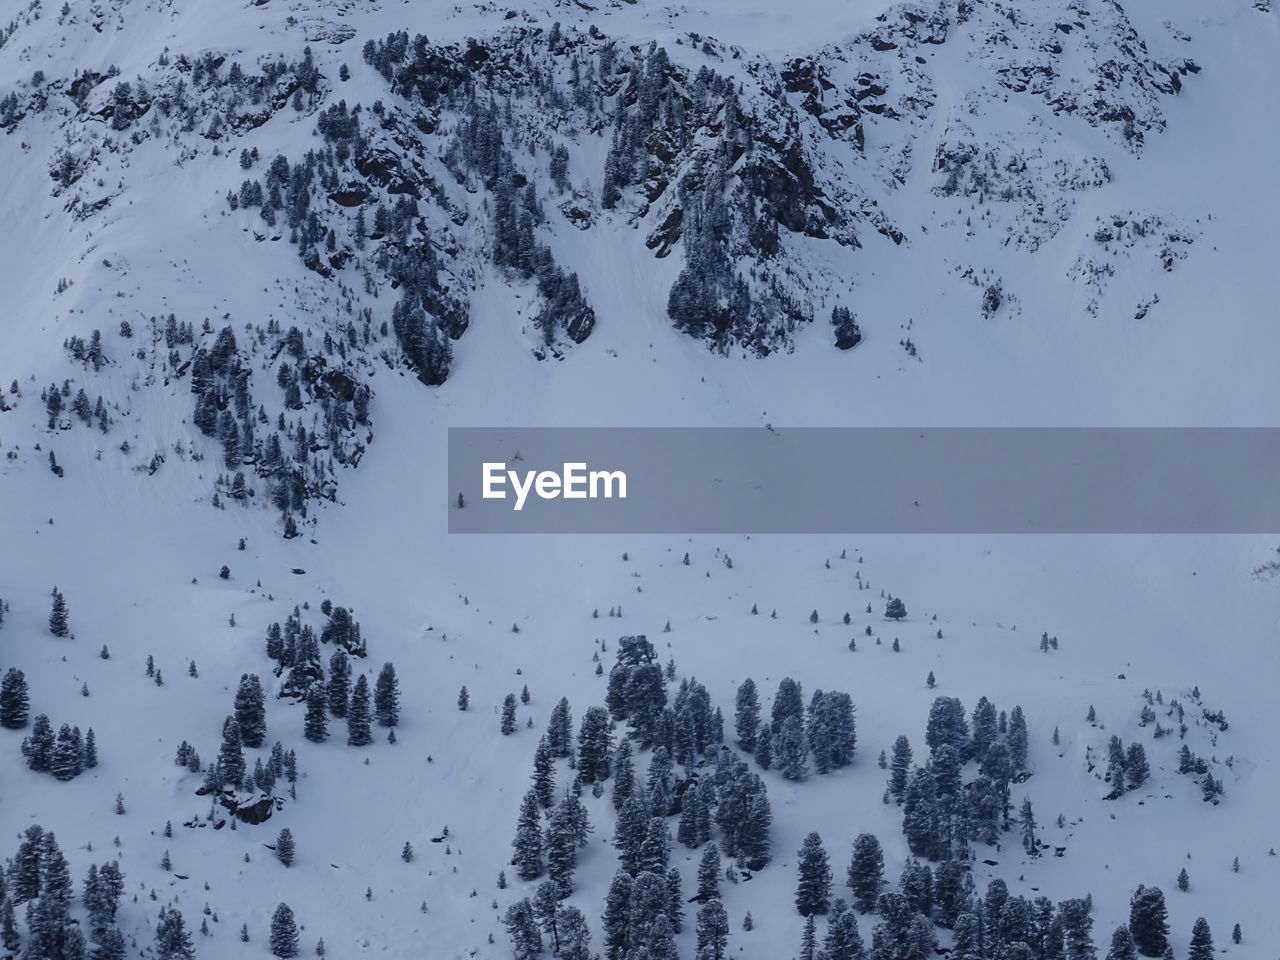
(1027, 817)
(231, 754)
(285, 847)
(58, 615)
(866, 871)
(712, 930)
(527, 845)
(251, 710)
(386, 697)
(787, 702)
(560, 729)
(359, 732)
(316, 724)
(339, 691)
(687, 831)
(595, 741)
(808, 940)
(764, 747)
(1122, 945)
(747, 715)
(15, 700)
(1148, 921)
(566, 831)
(1017, 739)
(283, 940)
(544, 785)
(843, 940)
(709, 873)
(900, 768)
(464, 699)
(617, 910)
(1136, 767)
(508, 723)
(624, 776)
(522, 928)
(792, 749)
(1201, 947)
(575, 936)
(920, 814)
(813, 890)
(173, 941)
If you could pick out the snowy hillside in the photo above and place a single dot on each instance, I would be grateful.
(260, 257)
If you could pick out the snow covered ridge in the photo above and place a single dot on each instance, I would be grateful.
(409, 174)
(487, 150)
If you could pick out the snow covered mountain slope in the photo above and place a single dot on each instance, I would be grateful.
(1037, 214)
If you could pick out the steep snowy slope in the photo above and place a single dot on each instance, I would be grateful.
(1051, 213)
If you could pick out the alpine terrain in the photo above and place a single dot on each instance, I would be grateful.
(258, 256)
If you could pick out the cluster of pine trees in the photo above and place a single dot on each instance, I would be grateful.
(39, 876)
(720, 803)
(65, 755)
(827, 733)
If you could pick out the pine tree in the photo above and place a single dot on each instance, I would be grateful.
(110, 944)
(339, 691)
(920, 814)
(1201, 947)
(624, 776)
(560, 730)
(747, 715)
(231, 754)
(1017, 739)
(285, 847)
(283, 941)
(617, 910)
(595, 741)
(527, 858)
(866, 871)
(712, 929)
(709, 873)
(464, 699)
(1148, 921)
(843, 941)
(316, 724)
(562, 844)
(522, 928)
(1028, 820)
(386, 697)
(808, 940)
(1184, 881)
(406, 852)
(813, 890)
(359, 732)
(67, 758)
(792, 749)
(251, 710)
(764, 747)
(58, 615)
(15, 700)
(544, 785)
(1136, 767)
(1122, 945)
(173, 942)
(900, 768)
(575, 935)
(508, 724)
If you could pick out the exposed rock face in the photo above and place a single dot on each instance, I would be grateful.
(759, 176)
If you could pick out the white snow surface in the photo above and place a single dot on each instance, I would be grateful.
(137, 555)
